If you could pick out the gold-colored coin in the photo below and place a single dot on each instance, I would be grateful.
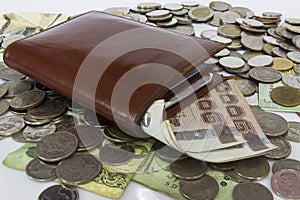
(250, 54)
(286, 96)
(282, 64)
(201, 14)
(230, 30)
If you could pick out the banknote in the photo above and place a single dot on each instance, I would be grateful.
(28, 23)
(223, 102)
(155, 174)
(111, 182)
(265, 101)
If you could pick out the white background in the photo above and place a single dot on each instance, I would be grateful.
(14, 185)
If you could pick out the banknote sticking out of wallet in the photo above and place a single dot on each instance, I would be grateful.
(132, 73)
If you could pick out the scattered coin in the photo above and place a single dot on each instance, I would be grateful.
(10, 125)
(186, 30)
(253, 168)
(78, 169)
(235, 177)
(286, 96)
(272, 14)
(167, 24)
(254, 43)
(173, 6)
(253, 23)
(286, 163)
(189, 3)
(56, 146)
(267, 48)
(286, 33)
(183, 20)
(294, 56)
(285, 183)
(272, 124)
(88, 137)
(229, 17)
(65, 123)
(39, 172)
(10, 74)
(116, 155)
(296, 41)
(59, 192)
(4, 106)
(3, 90)
(216, 20)
(235, 45)
(292, 80)
(297, 69)
(188, 169)
(48, 109)
(209, 33)
(247, 87)
(287, 46)
(158, 13)
(265, 74)
(247, 55)
(253, 30)
(206, 188)
(17, 87)
(271, 40)
(250, 191)
(272, 32)
(260, 61)
(230, 30)
(222, 53)
(277, 51)
(221, 39)
(36, 133)
(293, 21)
(182, 12)
(167, 153)
(231, 62)
(243, 12)
(28, 99)
(284, 148)
(219, 6)
(293, 132)
(149, 5)
(201, 14)
(294, 29)
(256, 110)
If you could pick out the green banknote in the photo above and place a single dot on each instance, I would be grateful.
(111, 182)
(155, 174)
(265, 101)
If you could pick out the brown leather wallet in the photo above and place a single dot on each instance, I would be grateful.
(114, 65)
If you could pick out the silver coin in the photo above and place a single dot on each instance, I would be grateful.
(48, 109)
(272, 125)
(292, 80)
(173, 6)
(35, 122)
(231, 62)
(293, 132)
(294, 29)
(186, 30)
(236, 54)
(219, 6)
(284, 148)
(188, 169)
(36, 133)
(247, 87)
(37, 171)
(294, 56)
(189, 3)
(4, 106)
(117, 155)
(211, 61)
(209, 33)
(272, 32)
(239, 71)
(88, 137)
(3, 89)
(286, 163)
(167, 24)
(10, 125)
(201, 14)
(243, 12)
(59, 192)
(277, 51)
(235, 45)
(141, 10)
(18, 137)
(251, 191)
(167, 153)
(287, 46)
(253, 23)
(78, 169)
(17, 87)
(222, 53)
(271, 40)
(296, 41)
(230, 30)
(159, 19)
(10, 74)
(149, 5)
(158, 13)
(272, 14)
(28, 99)
(260, 61)
(297, 69)
(92, 118)
(221, 39)
(267, 48)
(253, 30)
(201, 189)
(229, 17)
(183, 20)
(216, 20)
(265, 74)
(56, 146)
(253, 168)
(115, 134)
(235, 177)
(254, 43)
(117, 10)
(181, 12)
(65, 123)
(293, 21)
(256, 110)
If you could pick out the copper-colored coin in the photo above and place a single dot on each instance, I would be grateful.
(251, 191)
(282, 64)
(286, 183)
(286, 96)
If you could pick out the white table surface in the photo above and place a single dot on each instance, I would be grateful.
(14, 185)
